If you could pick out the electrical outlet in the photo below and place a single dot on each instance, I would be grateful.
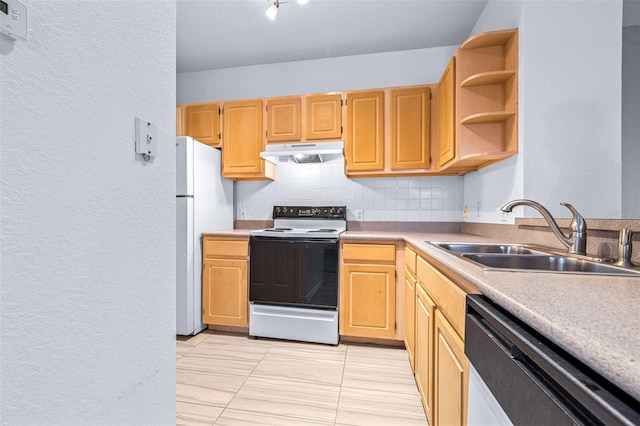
(359, 214)
(243, 213)
(478, 210)
(465, 211)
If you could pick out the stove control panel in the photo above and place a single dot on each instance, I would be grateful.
(324, 212)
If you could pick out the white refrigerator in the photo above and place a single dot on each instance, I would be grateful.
(204, 202)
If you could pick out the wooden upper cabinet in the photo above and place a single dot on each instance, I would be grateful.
(410, 118)
(202, 122)
(364, 141)
(283, 119)
(323, 116)
(446, 114)
(485, 128)
(180, 124)
(242, 142)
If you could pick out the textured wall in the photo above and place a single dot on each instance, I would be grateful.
(630, 122)
(405, 199)
(88, 230)
(570, 109)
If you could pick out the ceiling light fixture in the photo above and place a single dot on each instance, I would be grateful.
(273, 10)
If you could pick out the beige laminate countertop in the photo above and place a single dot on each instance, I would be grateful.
(594, 318)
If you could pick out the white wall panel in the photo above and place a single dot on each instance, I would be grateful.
(88, 230)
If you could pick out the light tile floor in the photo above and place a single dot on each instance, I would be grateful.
(230, 379)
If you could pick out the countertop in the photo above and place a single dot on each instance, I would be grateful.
(594, 318)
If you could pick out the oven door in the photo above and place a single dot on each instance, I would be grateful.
(294, 272)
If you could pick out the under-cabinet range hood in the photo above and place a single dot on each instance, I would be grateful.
(315, 152)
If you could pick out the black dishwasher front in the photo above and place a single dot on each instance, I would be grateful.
(534, 381)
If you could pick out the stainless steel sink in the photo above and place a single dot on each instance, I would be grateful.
(488, 248)
(549, 263)
(531, 258)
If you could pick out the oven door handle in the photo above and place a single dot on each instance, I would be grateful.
(294, 240)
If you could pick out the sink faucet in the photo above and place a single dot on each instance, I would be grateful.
(576, 242)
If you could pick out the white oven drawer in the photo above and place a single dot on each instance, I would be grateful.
(302, 324)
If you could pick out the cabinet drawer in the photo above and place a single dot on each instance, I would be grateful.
(449, 298)
(369, 252)
(225, 248)
(410, 258)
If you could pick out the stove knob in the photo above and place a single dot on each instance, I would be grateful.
(278, 210)
(340, 211)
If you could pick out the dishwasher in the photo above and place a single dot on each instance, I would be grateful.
(519, 377)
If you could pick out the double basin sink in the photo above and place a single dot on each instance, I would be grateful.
(517, 257)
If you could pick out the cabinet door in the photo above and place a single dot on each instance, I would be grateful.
(224, 292)
(409, 316)
(202, 122)
(446, 115)
(283, 119)
(242, 138)
(450, 375)
(410, 128)
(324, 116)
(424, 327)
(364, 141)
(368, 300)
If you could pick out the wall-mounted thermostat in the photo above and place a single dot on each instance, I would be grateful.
(13, 19)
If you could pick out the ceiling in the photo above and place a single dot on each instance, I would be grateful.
(215, 34)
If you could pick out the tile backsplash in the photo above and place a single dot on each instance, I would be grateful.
(410, 199)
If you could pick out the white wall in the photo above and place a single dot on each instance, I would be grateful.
(88, 230)
(384, 199)
(570, 108)
(405, 68)
(630, 122)
(410, 199)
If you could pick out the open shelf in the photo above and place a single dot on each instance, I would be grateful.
(485, 93)
(493, 38)
(488, 117)
(491, 77)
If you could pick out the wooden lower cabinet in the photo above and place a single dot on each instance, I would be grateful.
(424, 326)
(440, 365)
(224, 282)
(368, 290)
(410, 316)
(451, 369)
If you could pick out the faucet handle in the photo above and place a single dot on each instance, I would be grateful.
(577, 224)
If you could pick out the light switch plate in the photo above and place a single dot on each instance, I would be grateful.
(146, 138)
